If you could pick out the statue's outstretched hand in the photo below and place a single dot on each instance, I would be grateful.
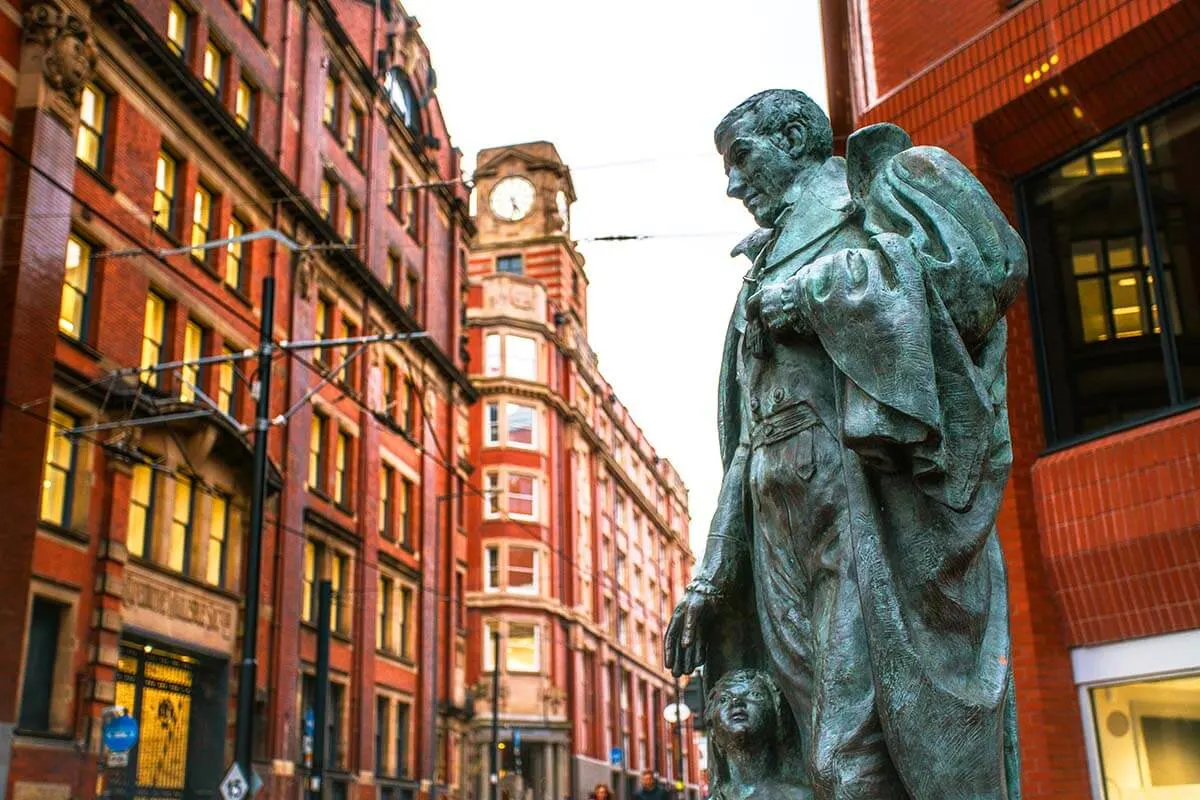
(685, 645)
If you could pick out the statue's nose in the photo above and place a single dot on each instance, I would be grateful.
(737, 185)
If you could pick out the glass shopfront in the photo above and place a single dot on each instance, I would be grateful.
(1114, 247)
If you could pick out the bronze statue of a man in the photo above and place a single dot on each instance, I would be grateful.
(864, 436)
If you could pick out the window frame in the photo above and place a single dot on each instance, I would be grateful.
(536, 667)
(170, 192)
(104, 99)
(181, 49)
(193, 374)
(155, 377)
(221, 59)
(318, 458)
(331, 105)
(343, 467)
(234, 228)
(507, 260)
(492, 575)
(223, 548)
(87, 251)
(406, 497)
(535, 587)
(188, 525)
(1129, 131)
(387, 501)
(533, 426)
(147, 531)
(247, 89)
(355, 131)
(60, 418)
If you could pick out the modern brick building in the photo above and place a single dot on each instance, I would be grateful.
(579, 543)
(133, 127)
(1083, 120)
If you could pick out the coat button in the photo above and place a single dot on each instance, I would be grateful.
(778, 394)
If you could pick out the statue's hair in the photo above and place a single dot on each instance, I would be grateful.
(775, 109)
(745, 676)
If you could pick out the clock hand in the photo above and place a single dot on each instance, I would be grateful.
(516, 208)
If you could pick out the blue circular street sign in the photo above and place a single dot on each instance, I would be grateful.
(120, 734)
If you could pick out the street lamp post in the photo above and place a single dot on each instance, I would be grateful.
(680, 779)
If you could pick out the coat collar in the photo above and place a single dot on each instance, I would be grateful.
(817, 206)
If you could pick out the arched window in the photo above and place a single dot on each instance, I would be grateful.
(404, 102)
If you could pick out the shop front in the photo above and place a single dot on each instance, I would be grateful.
(173, 678)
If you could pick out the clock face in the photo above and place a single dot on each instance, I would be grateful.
(512, 198)
(561, 200)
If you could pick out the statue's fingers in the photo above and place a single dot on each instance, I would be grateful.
(671, 645)
(691, 620)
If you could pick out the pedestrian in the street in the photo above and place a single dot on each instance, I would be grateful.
(601, 792)
(650, 788)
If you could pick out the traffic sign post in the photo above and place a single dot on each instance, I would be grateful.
(120, 734)
(617, 756)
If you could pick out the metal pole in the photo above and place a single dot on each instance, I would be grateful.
(680, 779)
(243, 747)
(321, 701)
(494, 777)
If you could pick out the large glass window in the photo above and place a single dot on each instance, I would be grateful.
(1112, 261)
(522, 570)
(218, 540)
(164, 191)
(521, 358)
(193, 350)
(1148, 735)
(180, 544)
(523, 654)
(519, 426)
(139, 534)
(522, 496)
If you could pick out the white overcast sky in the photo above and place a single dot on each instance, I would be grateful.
(642, 81)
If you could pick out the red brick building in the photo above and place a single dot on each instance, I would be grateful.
(138, 140)
(1083, 120)
(579, 545)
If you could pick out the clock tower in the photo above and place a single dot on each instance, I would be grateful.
(523, 218)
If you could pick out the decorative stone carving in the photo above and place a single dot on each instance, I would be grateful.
(70, 54)
(306, 270)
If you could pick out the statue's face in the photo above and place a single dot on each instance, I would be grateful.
(744, 709)
(761, 168)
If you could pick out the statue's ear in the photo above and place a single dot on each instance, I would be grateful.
(797, 139)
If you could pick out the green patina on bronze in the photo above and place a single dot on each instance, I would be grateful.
(853, 563)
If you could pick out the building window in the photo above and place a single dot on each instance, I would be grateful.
(409, 210)
(139, 533)
(395, 184)
(179, 24)
(327, 199)
(308, 599)
(492, 363)
(402, 723)
(339, 576)
(73, 310)
(180, 544)
(202, 203)
(621, 573)
(386, 622)
(491, 495)
(512, 264)
(249, 11)
(218, 540)
(245, 99)
(522, 500)
(154, 333)
(41, 659)
(350, 222)
(387, 478)
(383, 716)
(164, 191)
(333, 96)
(395, 271)
(406, 621)
(1148, 737)
(354, 134)
(523, 653)
(522, 570)
(622, 626)
(406, 513)
(492, 424)
(408, 408)
(214, 69)
(341, 468)
(316, 452)
(520, 357)
(226, 398)
(1113, 265)
(58, 477)
(233, 255)
(346, 371)
(323, 330)
(412, 293)
(193, 349)
(93, 120)
(390, 399)
(519, 425)
(491, 568)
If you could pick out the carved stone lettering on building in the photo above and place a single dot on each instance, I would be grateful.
(159, 604)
